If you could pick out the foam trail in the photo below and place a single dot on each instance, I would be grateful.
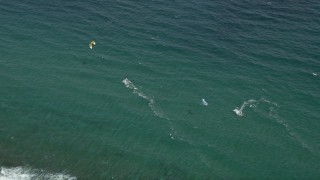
(26, 173)
(151, 101)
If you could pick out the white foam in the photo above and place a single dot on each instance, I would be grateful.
(315, 74)
(25, 173)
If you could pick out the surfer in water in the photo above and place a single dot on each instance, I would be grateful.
(204, 102)
(91, 44)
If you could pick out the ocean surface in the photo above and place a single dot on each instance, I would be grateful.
(194, 89)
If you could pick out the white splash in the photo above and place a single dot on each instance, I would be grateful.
(204, 102)
(315, 74)
(25, 173)
(239, 111)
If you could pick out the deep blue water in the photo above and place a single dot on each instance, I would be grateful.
(131, 107)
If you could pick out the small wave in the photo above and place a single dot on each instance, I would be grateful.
(25, 173)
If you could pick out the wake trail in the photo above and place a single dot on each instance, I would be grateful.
(151, 102)
(152, 105)
(271, 113)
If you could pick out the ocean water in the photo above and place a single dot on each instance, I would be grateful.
(175, 89)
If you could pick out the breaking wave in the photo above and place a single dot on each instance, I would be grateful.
(26, 173)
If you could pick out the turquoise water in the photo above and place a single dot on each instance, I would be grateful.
(131, 107)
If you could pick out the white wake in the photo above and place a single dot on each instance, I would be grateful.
(137, 91)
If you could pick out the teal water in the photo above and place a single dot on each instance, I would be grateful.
(131, 107)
